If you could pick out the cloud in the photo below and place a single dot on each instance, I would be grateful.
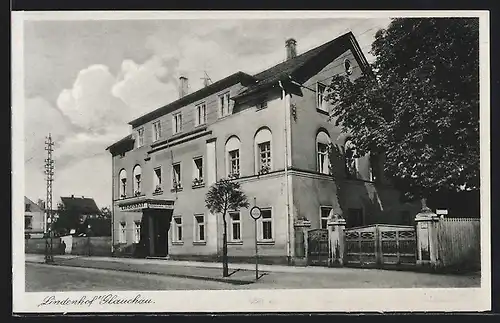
(90, 104)
(139, 86)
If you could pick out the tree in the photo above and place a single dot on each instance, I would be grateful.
(225, 195)
(419, 109)
(67, 220)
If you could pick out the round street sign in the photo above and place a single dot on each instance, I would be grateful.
(255, 212)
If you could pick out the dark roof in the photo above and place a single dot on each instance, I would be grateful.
(293, 67)
(190, 98)
(124, 140)
(83, 205)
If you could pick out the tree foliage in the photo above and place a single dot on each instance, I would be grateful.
(225, 195)
(420, 107)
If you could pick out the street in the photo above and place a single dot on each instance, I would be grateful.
(41, 277)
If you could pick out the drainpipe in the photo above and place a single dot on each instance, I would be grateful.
(287, 108)
(112, 206)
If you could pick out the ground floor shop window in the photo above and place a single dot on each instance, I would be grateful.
(177, 229)
(122, 237)
(137, 231)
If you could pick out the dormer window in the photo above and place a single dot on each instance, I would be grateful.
(156, 130)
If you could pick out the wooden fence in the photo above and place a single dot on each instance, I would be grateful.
(459, 243)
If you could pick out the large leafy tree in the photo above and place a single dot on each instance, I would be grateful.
(225, 195)
(420, 106)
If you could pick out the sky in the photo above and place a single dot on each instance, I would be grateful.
(85, 80)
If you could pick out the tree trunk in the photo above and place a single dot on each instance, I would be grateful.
(225, 268)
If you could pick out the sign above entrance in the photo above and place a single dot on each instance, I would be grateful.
(148, 204)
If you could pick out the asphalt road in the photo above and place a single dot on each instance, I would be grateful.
(44, 278)
(41, 277)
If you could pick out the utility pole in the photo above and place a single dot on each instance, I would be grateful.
(49, 173)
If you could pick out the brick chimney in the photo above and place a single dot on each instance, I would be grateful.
(291, 48)
(183, 86)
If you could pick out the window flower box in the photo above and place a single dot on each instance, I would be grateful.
(176, 187)
(158, 190)
(137, 193)
(198, 182)
(123, 196)
(234, 175)
(264, 169)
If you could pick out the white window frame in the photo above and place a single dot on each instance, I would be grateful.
(122, 233)
(122, 183)
(198, 120)
(156, 130)
(224, 111)
(140, 137)
(262, 136)
(137, 184)
(269, 159)
(323, 138)
(177, 226)
(30, 218)
(260, 227)
(196, 227)
(232, 170)
(231, 222)
(232, 144)
(175, 177)
(320, 96)
(196, 170)
(158, 180)
(176, 123)
(321, 218)
(137, 231)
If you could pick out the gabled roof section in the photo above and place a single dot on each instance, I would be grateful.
(122, 142)
(238, 77)
(81, 205)
(307, 64)
(34, 206)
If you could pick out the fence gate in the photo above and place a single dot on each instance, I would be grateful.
(317, 251)
(380, 245)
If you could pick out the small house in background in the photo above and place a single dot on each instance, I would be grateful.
(34, 224)
(84, 208)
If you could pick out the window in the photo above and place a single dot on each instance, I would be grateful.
(177, 123)
(156, 130)
(137, 180)
(263, 151)
(123, 232)
(354, 218)
(233, 157)
(322, 157)
(266, 225)
(137, 231)
(324, 214)
(199, 234)
(140, 137)
(177, 229)
(157, 179)
(176, 176)
(234, 226)
(320, 98)
(201, 114)
(347, 66)
(28, 222)
(261, 105)
(265, 157)
(123, 183)
(27, 207)
(198, 171)
(351, 160)
(224, 104)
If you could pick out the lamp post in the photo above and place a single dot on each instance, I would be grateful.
(88, 238)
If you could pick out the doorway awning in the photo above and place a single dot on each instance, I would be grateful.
(140, 204)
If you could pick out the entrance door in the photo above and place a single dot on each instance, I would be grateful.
(161, 225)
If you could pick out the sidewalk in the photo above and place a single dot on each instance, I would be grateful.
(270, 276)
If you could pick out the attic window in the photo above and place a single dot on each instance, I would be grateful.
(348, 66)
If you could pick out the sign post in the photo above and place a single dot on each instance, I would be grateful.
(255, 213)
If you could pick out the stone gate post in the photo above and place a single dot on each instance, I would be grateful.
(336, 241)
(301, 227)
(427, 241)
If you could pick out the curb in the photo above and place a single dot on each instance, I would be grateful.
(217, 279)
